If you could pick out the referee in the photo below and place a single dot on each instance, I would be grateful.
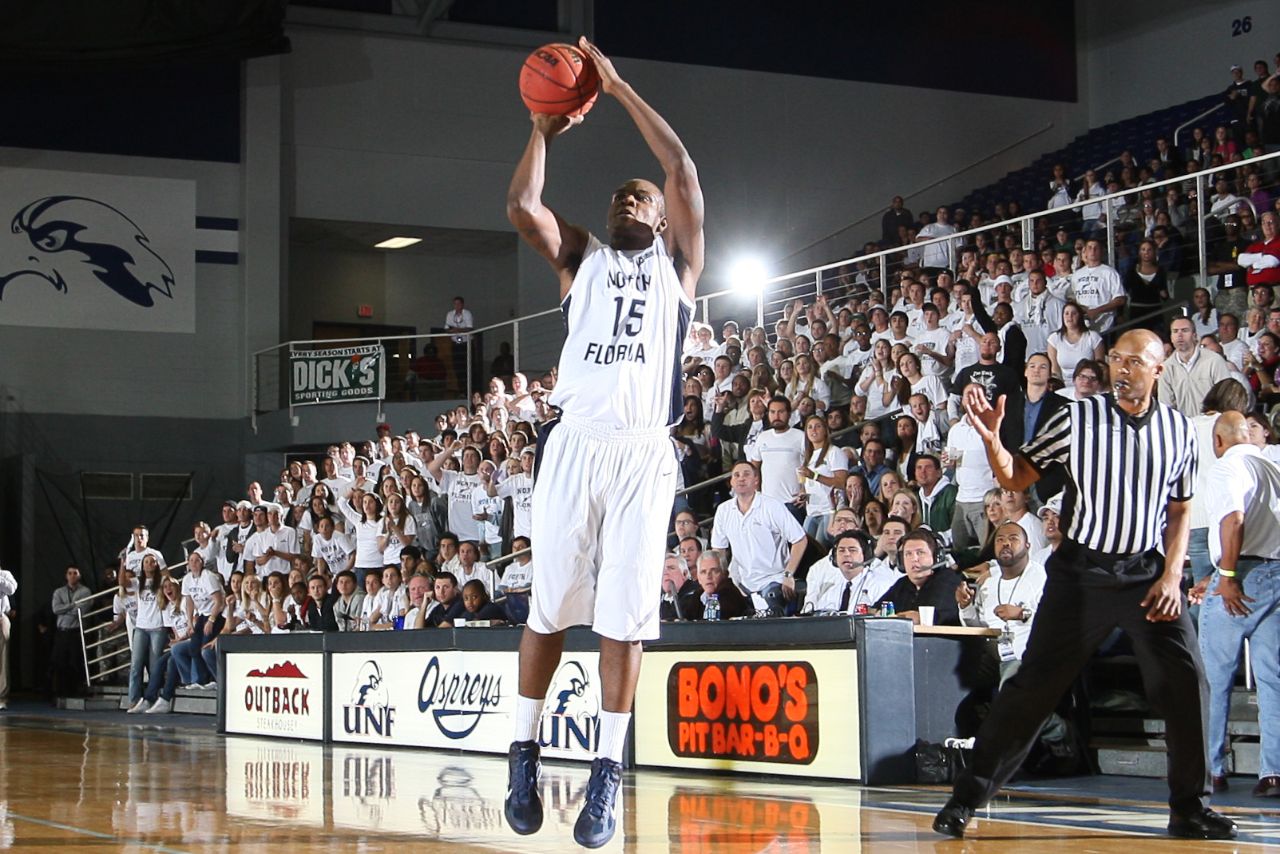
(1130, 462)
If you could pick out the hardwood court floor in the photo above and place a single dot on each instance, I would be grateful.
(119, 785)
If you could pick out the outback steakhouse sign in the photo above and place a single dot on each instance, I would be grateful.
(751, 710)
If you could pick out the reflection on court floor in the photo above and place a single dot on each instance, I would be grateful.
(75, 786)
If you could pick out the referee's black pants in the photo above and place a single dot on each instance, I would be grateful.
(1078, 611)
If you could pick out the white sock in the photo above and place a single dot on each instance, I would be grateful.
(528, 713)
(613, 734)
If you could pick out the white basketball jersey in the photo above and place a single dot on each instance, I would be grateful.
(625, 317)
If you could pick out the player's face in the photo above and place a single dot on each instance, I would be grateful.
(637, 206)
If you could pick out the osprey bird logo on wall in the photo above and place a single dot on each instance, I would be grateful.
(81, 243)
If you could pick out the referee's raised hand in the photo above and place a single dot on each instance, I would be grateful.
(984, 418)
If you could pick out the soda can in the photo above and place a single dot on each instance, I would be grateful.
(889, 610)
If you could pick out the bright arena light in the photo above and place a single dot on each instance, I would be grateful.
(748, 274)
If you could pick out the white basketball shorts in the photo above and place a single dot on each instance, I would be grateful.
(601, 506)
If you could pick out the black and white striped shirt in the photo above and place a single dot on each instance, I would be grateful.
(1123, 471)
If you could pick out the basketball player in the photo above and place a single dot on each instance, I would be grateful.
(607, 471)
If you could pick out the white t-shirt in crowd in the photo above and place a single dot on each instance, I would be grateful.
(459, 487)
(1069, 355)
(516, 576)
(519, 488)
(201, 590)
(334, 551)
(973, 475)
(368, 554)
(936, 340)
(391, 554)
(779, 455)
(819, 503)
(147, 605)
(1095, 286)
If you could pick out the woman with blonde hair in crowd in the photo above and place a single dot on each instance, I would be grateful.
(807, 383)
(907, 506)
(890, 484)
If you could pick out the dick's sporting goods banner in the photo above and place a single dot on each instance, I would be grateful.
(337, 376)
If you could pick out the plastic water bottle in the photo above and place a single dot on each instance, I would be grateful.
(712, 611)
(889, 610)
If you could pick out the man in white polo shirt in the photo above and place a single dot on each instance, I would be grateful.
(766, 541)
(780, 452)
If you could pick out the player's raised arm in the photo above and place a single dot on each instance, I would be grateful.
(682, 191)
(561, 243)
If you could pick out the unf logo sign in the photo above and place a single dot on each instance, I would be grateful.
(90, 251)
(79, 243)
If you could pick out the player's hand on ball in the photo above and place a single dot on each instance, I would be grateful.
(609, 78)
(550, 126)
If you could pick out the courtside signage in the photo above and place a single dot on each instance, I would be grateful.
(337, 376)
(276, 695)
(459, 700)
(745, 711)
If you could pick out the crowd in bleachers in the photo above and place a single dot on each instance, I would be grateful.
(845, 478)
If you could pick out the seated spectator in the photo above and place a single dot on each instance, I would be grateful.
(922, 583)
(421, 601)
(349, 603)
(449, 599)
(764, 539)
(1050, 515)
(471, 567)
(1086, 381)
(372, 603)
(1262, 258)
(937, 495)
(317, 611)
(1015, 504)
(905, 505)
(680, 593)
(713, 580)
(823, 573)
(476, 605)
(517, 581)
(860, 580)
(891, 534)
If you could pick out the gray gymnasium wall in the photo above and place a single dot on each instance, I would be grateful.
(395, 130)
(1141, 55)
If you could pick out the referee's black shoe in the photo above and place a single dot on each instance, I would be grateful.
(523, 807)
(1203, 824)
(597, 821)
(952, 819)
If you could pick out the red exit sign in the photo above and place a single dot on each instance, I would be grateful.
(364, 311)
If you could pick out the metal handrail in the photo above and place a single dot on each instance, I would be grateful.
(879, 258)
(1115, 159)
(1189, 122)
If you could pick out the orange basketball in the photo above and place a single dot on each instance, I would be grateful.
(559, 80)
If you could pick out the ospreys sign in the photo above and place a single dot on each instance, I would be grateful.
(337, 376)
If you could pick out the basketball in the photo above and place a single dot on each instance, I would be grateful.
(559, 80)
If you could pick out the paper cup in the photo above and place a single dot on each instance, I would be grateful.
(926, 615)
